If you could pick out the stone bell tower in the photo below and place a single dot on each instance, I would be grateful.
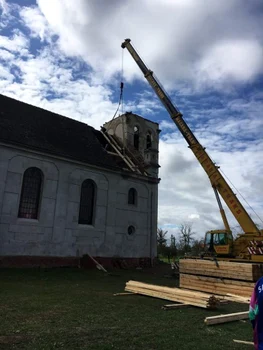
(140, 136)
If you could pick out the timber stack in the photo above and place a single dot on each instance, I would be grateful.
(220, 278)
(198, 299)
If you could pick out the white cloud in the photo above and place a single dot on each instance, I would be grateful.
(5, 74)
(4, 6)
(33, 19)
(6, 55)
(165, 125)
(41, 77)
(178, 40)
(17, 43)
(236, 60)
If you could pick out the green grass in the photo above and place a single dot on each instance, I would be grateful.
(75, 309)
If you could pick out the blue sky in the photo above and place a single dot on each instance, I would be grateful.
(66, 56)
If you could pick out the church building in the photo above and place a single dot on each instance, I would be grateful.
(68, 190)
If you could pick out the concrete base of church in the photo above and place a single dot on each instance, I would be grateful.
(81, 262)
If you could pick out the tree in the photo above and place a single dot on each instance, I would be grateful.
(186, 237)
(161, 240)
(162, 248)
(197, 247)
(173, 248)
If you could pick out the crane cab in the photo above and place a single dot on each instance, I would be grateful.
(219, 242)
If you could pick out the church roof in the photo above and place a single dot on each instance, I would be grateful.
(32, 127)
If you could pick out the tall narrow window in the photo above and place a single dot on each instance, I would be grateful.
(132, 196)
(148, 141)
(87, 202)
(30, 194)
(136, 137)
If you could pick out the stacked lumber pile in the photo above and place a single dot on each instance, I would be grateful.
(226, 269)
(198, 299)
(223, 278)
(214, 285)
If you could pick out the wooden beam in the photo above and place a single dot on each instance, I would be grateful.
(226, 318)
(174, 306)
(128, 161)
(123, 294)
(238, 298)
(173, 294)
(243, 342)
(216, 285)
(235, 270)
(98, 265)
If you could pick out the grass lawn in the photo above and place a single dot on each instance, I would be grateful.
(75, 309)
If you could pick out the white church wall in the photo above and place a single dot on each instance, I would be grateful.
(57, 232)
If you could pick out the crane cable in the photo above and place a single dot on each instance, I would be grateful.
(242, 197)
(120, 103)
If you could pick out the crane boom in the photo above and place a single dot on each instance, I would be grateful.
(217, 180)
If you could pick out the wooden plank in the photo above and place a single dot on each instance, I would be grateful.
(226, 318)
(235, 270)
(198, 299)
(243, 291)
(216, 285)
(218, 292)
(238, 298)
(117, 148)
(123, 294)
(220, 273)
(193, 302)
(98, 265)
(232, 298)
(192, 284)
(214, 281)
(220, 284)
(169, 296)
(214, 290)
(219, 280)
(220, 267)
(174, 306)
(178, 291)
(229, 264)
(180, 298)
(243, 342)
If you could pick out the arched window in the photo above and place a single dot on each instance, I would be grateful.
(30, 194)
(148, 141)
(87, 202)
(136, 137)
(132, 196)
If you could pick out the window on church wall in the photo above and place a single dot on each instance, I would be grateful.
(30, 194)
(136, 137)
(87, 202)
(148, 141)
(132, 196)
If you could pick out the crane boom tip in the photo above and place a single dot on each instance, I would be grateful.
(123, 45)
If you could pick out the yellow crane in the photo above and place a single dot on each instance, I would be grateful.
(248, 245)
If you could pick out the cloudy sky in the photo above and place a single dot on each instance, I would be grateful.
(66, 56)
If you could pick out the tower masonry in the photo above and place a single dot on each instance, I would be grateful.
(140, 136)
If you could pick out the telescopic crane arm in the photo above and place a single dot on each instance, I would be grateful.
(218, 182)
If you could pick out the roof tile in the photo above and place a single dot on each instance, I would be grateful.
(35, 128)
